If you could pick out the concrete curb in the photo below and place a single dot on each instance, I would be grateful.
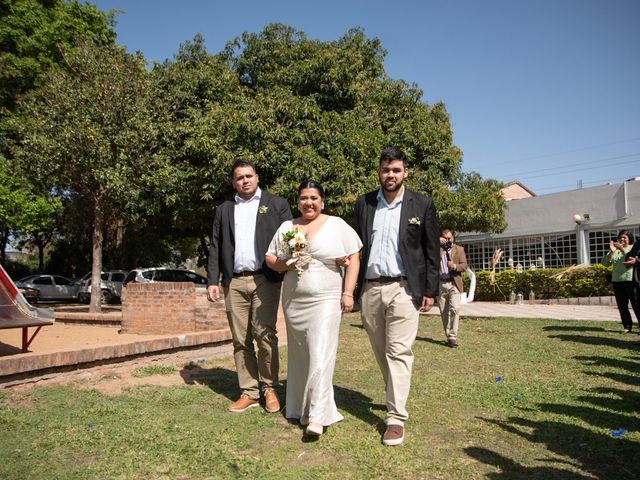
(29, 363)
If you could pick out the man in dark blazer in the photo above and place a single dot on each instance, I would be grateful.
(398, 278)
(453, 262)
(242, 230)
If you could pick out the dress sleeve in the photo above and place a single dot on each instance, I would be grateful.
(274, 246)
(351, 242)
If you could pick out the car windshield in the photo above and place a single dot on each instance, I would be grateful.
(130, 277)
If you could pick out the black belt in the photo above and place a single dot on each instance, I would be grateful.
(247, 273)
(386, 279)
(445, 279)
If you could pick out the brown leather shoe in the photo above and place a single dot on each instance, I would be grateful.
(243, 403)
(394, 435)
(271, 402)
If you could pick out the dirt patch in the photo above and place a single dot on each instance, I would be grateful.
(114, 385)
(61, 337)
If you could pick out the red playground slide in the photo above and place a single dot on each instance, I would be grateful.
(16, 312)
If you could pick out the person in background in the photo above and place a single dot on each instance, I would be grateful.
(622, 278)
(453, 262)
(632, 261)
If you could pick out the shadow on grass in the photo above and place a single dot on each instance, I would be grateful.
(225, 382)
(442, 343)
(629, 366)
(604, 341)
(220, 380)
(600, 455)
(360, 406)
(513, 470)
(568, 328)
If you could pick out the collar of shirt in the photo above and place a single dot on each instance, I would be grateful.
(238, 199)
(395, 202)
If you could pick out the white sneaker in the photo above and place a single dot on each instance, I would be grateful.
(315, 429)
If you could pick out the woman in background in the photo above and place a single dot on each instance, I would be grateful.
(622, 278)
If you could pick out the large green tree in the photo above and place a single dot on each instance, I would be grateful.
(303, 108)
(33, 34)
(93, 130)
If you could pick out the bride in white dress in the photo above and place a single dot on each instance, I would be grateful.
(314, 296)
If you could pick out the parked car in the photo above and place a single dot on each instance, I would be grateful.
(110, 286)
(51, 287)
(162, 274)
(31, 295)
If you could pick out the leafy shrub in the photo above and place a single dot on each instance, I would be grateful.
(544, 282)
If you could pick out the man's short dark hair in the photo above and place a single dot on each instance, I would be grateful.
(392, 153)
(242, 163)
(450, 230)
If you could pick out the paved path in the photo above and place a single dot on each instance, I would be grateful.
(556, 312)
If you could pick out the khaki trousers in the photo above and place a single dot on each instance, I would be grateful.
(390, 318)
(252, 309)
(449, 304)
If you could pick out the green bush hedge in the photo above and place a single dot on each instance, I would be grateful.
(580, 282)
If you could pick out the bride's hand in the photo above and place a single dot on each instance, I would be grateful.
(343, 261)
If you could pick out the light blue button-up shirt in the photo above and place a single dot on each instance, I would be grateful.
(384, 257)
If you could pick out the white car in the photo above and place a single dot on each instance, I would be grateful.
(162, 274)
(110, 286)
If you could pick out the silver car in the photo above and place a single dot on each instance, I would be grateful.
(162, 274)
(51, 287)
(110, 286)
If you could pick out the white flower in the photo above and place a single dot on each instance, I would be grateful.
(414, 221)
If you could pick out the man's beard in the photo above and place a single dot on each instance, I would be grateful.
(388, 188)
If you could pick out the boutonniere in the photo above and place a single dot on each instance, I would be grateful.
(263, 209)
(414, 221)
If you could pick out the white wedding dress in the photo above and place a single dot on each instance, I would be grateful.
(312, 312)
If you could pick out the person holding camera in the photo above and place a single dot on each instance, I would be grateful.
(622, 277)
(453, 262)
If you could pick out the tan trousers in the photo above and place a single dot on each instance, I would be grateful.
(252, 309)
(390, 317)
(449, 304)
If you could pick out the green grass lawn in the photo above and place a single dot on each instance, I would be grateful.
(530, 399)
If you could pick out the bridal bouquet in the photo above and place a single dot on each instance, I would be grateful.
(295, 244)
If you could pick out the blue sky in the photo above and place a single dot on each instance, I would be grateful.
(546, 92)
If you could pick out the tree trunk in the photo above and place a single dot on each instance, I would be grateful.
(4, 238)
(120, 252)
(96, 265)
(40, 245)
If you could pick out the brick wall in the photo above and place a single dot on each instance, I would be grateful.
(167, 307)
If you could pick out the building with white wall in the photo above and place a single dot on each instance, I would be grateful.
(559, 229)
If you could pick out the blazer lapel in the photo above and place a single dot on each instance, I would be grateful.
(232, 217)
(372, 205)
(261, 218)
(406, 209)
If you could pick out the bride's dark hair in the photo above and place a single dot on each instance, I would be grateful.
(311, 184)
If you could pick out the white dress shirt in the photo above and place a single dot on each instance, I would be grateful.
(245, 213)
(384, 258)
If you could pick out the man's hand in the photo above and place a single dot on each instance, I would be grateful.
(427, 303)
(343, 261)
(213, 293)
(630, 262)
(451, 265)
